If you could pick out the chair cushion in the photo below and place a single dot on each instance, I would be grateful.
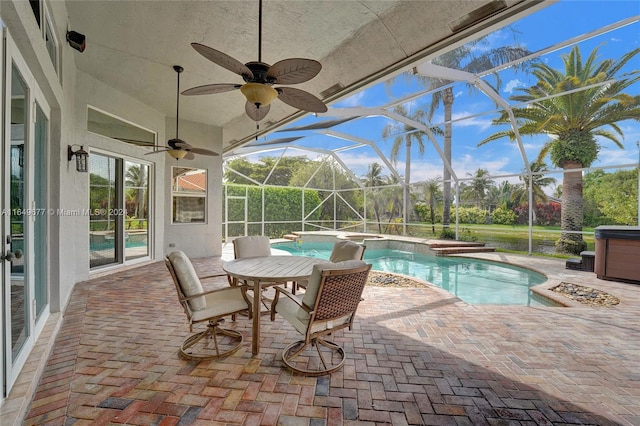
(346, 250)
(252, 246)
(313, 286)
(223, 302)
(188, 279)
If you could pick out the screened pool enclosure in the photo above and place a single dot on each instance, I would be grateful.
(523, 139)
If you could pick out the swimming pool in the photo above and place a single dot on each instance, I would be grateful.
(476, 281)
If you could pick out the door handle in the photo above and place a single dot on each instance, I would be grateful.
(10, 256)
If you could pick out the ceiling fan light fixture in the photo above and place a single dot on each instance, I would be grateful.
(259, 94)
(178, 154)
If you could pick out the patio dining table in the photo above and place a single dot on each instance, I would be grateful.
(267, 270)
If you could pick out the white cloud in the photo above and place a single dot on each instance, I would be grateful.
(614, 156)
(512, 84)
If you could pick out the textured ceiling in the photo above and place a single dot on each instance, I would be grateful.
(132, 45)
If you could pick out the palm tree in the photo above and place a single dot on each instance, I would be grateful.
(469, 58)
(538, 181)
(573, 121)
(477, 190)
(500, 195)
(375, 179)
(136, 180)
(406, 135)
(432, 191)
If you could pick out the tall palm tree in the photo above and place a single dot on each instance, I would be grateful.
(136, 180)
(432, 191)
(538, 182)
(375, 179)
(477, 190)
(473, 57)
(405, 135)
(572, 121)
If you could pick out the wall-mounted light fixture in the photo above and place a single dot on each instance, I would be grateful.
(76, 40)
(82, 157)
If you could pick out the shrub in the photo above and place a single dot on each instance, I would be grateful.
(448, 234)
(472, 215)
(503, 216)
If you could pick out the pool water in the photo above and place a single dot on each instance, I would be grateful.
(476, 281)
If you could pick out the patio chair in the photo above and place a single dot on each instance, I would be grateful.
(329, 304)
(347, 250)
(253, 246)
(206, 306)
(342, 250)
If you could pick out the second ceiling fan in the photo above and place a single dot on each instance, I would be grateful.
(260, 77)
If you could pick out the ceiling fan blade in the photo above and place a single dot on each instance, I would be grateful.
(255, 113)
(156, 151)
(202, 151)
(223, 60)
(210, 89)
(300, 99)
(189, 156)
(294, 70)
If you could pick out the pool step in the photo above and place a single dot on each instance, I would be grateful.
(291, 237)
(445, 251)
(452, 244)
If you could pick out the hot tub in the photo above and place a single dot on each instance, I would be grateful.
(618, 253)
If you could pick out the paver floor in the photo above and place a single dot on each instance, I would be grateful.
(415, 356)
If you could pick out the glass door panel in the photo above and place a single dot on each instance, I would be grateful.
(19, 294)
(105, 223)
(136, 193)
(40, 219)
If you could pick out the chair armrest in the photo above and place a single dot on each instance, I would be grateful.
(280, 290)
(216, 290)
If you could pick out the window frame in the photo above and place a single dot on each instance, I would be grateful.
(175, 194)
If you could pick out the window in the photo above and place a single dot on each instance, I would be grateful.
(35, 6)
(189, 194)
(39, 9)
(104, 124)
(51, 43)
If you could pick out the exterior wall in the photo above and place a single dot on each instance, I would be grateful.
(69, 93)
(197, 240)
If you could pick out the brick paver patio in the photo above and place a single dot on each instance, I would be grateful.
(415, 356)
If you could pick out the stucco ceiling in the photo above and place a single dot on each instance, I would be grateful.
(132, 46)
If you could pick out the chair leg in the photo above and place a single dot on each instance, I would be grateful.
(214, 342)
(300, 358)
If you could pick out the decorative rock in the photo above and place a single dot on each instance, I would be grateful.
(384, 279)
(586, 295)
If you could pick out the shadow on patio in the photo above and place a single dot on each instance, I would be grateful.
(415, 356)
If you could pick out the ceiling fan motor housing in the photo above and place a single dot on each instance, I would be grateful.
(259, 70)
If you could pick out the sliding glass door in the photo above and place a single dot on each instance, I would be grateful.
(119, 206)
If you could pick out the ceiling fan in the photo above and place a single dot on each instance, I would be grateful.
(176, 147)
(260, 77)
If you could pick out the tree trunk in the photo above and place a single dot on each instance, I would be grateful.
(407, 180)
(447, 101)
(572, 211)
(432, 206)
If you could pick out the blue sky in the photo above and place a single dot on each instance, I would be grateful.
(554, 24)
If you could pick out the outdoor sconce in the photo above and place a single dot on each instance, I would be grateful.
(81, 158)
(76, 40)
